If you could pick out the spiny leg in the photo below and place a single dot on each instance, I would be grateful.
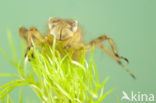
(117, 59)
(114, 55)
(103, 38)
(23, 32)
(114, 49)
(31, 35)
(34, 35)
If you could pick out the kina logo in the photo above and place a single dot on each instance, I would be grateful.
(137, 96)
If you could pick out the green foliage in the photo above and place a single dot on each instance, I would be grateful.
(55, 79)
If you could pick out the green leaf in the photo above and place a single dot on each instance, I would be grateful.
(8, 75)
(105, 95)
(14, 53)
(8, 99)
(20, 95)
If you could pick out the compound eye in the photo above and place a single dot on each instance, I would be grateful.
(52, 26)
(73, 28)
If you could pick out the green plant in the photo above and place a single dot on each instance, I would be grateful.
(55, 79)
